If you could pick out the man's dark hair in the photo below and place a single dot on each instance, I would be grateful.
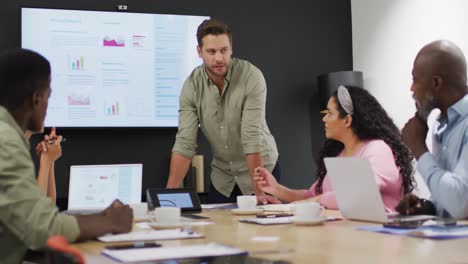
(22, 72)
(212, 27)
(370, 121)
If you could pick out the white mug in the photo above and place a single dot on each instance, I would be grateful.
(166, 215)
(140, 210)
(246, 202)
(307, 211)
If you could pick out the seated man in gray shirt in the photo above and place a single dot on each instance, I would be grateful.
(28, 217)
(226, 97)
(440, 81)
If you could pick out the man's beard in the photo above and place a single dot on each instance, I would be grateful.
(424, 108)
(213, 72)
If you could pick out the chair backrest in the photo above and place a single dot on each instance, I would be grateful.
(59, 251)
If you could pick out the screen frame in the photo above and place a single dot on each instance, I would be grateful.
(153, 200)
(112, 9)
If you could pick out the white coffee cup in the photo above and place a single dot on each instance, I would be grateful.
(166, 215)
(140, 210)
(246, 202)
(307, 211)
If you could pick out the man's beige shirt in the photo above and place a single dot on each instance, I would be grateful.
(233, 123)
(27, 216)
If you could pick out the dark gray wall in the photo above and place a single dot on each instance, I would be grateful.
(292, 42)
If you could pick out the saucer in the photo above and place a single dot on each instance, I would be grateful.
(316, 221)
(253, 211)
(176, 225)
(145, 218)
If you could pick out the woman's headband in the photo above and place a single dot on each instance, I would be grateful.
(345, 100)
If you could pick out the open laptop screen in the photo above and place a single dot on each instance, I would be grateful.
(96, 186)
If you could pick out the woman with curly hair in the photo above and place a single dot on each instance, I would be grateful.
(356, 125)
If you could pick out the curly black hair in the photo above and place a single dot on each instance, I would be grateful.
(370, 121)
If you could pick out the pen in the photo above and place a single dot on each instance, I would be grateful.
(52, 141)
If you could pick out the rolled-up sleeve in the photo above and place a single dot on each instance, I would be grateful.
(28, 214)
(327, 198)
(186, 138)
(253, 113)
(449, 189)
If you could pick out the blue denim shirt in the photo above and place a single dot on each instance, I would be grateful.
(445, 170)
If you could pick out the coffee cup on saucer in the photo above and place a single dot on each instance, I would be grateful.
(247, 202)
(166, 216)
(140, 211)
(247, 205)
(308, 212)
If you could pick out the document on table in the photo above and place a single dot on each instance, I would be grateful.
(276, 220)
(438, 232)
(219, 206)
(430, 231)
(171, 252)
(147, 225)
(140, 235)
(268, 221)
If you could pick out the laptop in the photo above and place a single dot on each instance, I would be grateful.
(357, 193)
(93, 188)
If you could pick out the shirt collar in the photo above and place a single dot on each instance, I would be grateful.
(458, 110)
(6, 117)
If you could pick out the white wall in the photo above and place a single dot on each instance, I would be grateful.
(387, 34)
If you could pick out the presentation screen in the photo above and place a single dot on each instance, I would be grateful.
(113, 69)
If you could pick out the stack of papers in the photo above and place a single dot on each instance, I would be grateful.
(166, 253)
(141, 235)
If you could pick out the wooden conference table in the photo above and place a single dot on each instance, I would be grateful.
(333, 242)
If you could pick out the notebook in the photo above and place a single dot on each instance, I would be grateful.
(357, 193)
(92, 188)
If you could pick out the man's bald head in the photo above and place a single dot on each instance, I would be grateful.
(439, 77)
(444, 59)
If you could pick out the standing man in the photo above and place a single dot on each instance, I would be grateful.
(27, 217)
(439, 81)
(226, 97)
